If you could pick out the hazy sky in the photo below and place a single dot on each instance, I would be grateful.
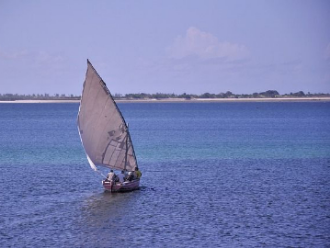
(167, 46)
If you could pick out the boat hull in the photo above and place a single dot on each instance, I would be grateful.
(112, 186)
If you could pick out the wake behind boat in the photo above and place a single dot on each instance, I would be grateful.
(105, 135)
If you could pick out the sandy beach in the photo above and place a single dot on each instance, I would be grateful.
(41, 101)
(302, 99)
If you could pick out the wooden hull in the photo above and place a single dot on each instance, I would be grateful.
(112, 186)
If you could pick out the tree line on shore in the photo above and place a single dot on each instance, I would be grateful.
(13, 97)
(159, 96)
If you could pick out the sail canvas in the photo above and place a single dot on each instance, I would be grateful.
(102, 128)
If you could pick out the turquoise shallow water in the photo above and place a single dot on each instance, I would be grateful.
(214, 174)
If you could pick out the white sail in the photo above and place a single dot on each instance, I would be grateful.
(102, 128)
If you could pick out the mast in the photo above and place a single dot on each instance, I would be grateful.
(126, 150)
(133, 151)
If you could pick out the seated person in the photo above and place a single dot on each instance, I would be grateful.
(137, 173)
(130, 176)
(111, 175)
(121, 176)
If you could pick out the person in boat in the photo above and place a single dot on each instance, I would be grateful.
(131, 175)
(137, 173)
(111, 176)
(121, 176)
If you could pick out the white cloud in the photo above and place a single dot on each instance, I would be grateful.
(40, 57)
(13, 55)
(44, 57)
(327, 52)
(205, 46)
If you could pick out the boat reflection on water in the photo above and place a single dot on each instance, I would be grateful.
(105, 208)
(105, 219)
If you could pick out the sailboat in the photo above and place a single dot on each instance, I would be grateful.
(104, 133)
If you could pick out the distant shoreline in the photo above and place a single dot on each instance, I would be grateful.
(182, 100)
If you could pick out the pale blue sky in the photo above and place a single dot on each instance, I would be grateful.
(165, 46)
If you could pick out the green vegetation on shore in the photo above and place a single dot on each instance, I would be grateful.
(160, 96)
(14, 97)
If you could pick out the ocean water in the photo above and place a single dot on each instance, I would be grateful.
(214, 175)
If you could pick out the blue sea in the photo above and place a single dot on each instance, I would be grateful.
(214, 175)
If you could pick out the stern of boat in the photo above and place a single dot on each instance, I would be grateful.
(126, 186)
